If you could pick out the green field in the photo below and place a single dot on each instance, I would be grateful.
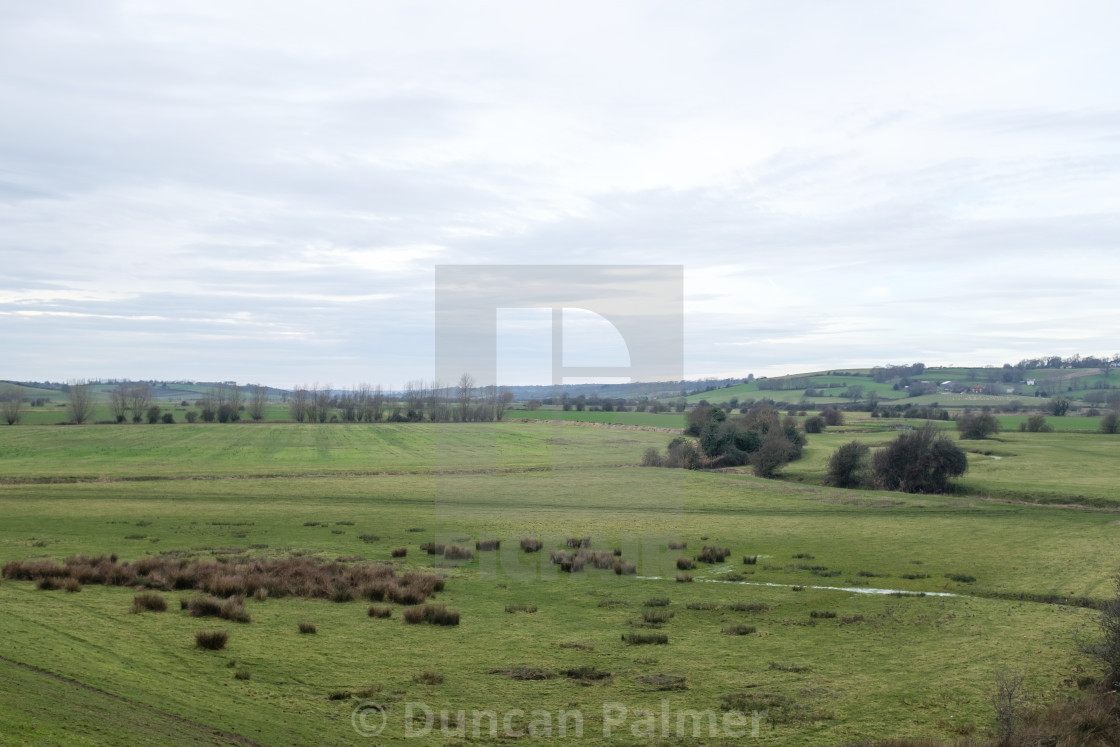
(885, 666)
(644, 419)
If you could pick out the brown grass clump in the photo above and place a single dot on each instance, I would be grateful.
(678, 545)
(308, 628)
(684, 578)
(488, 545)
(456, 552)
(685, 564)
(261, 578)
(379, 611)
(148, 601)
(577, 561)
(433, 614)
(663, 682)
(713, 555)
(400, 552)
(212, 640)
(531, 544)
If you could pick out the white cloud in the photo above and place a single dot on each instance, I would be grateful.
(845, 184)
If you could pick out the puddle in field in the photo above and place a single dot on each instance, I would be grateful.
(853, 589)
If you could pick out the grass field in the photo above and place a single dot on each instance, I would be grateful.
(883, 666)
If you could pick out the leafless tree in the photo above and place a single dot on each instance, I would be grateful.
(139, 399)
(362, 396)
(10, 398)
(321, 400)
(299, 403)
(377, 404)
(437, 405)
(81, 401)
(505, 398)
(1009, 701)
(466, 394)
(258, 398)
(118, 403)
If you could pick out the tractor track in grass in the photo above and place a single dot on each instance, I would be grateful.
(212, 731)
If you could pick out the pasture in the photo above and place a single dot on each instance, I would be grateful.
(532, 637)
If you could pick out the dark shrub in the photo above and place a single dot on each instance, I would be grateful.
(242, 674)
(531, 544)
(850, 466)
(432, 548)
(832, 416)
(750, 560)
(369, 539)
(921, 461)
(71, 585)
(639, 639)
(487, 545)
(212, 640)
(585, 674)
(822, 614)
(1110, 423)
(400, 552)
(656, 616)
(977, 425)
(963, 578)
(308, 628)
(579, 542)
(657, 602)
(713, 555)
(48, 583)
(379, 611)
(149, 601)
(685, 564)
(528, 608)
(740, 630)
(814, 424)
(622, 568)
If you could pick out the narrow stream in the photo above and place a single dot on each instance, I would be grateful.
(854, 589)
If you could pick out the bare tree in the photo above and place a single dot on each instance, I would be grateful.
(362, 395)
(10, 398)
(321, 398)
(377, 404)
(139, 399)
(466, 393)
(81, 401)
(505, 398)
(1009, 702)
(299, 404)
(437, 406)
(118, 403)
(258, 398)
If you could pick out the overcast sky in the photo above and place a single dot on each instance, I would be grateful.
(261, 191)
